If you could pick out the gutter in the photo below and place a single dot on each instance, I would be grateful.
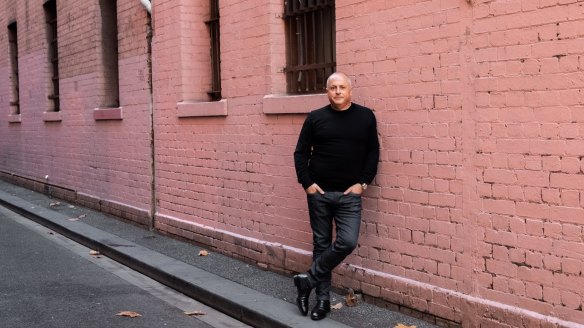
(148, 6)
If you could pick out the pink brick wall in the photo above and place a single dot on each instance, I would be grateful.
(528, 154)
(476, 212)
(106, 159)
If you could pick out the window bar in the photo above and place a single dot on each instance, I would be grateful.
(305, 79)
(316, 49)
(300, 54)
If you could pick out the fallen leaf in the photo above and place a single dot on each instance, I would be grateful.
(54, 204)
(351, 299)
(71, 206)
(77, 218)
(130, 314)
(401, 325)
(92, 252)
(337, 306)
(203, 253)
(195, 313)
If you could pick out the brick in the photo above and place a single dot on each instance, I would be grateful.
(501, 268)
(500, 176)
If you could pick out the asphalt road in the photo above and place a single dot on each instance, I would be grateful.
(47, 281)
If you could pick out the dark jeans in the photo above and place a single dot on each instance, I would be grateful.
(345, 210)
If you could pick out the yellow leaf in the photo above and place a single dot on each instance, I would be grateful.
(401, 325)
(203, 253)
(195, 313)
(130, 314)
(337, 306)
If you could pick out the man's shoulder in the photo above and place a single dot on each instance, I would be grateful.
(362, 108)
(321, 109)
(319, 112)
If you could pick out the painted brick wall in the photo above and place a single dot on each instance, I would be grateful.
(106, 159)
(529, 137)
(476, 213)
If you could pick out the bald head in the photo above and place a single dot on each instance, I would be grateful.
(338, 90)
(337, 76)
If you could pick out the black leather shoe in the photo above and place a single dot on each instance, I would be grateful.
(304, 288)
(320, 310)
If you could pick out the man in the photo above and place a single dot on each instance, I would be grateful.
(336, 157)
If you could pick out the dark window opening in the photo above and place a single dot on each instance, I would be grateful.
(310, 44)
(13, 45)
(51, 20)
(213, 24)
(109, 46)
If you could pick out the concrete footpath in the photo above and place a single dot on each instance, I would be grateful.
(257, 297)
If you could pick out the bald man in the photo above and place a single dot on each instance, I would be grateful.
(335, 158)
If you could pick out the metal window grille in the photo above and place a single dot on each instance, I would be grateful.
(213, 24)
(311, 45)
(51, 20)
(13, 42)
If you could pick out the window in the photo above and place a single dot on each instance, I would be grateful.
(310, 42)
(109, 46)
(53, 57)
(213, 24)
(13, 45)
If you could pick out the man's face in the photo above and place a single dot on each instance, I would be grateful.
(339, 92)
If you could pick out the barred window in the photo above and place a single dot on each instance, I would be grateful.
(51, 20)
(109, 47)
(13, 43)
(310, 44)
(213, 24)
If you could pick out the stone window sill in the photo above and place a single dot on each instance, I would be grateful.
(52, 117)
(102, 114)
(286, 104)
(202, 109)
(14, 118)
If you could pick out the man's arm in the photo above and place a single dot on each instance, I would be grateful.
(372, 155)
(303, 152)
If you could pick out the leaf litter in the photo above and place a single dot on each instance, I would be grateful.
(203, 253)
(130, 314)
(337, 306)
(351, 298)
(95, 253)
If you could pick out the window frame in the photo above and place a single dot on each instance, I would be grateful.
(15, 82)
(215, 50)
(310, 45)
(50, 9)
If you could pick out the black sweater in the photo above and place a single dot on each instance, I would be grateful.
(337, 149)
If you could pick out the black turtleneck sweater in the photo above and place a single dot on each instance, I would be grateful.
(337, 149)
